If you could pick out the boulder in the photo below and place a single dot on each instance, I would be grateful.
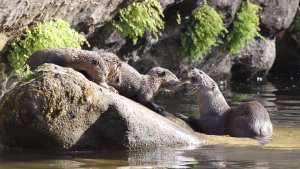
(254, 61)
(288, 54)
(59, 109)
(83, 15)
(276, 15)
(92, 17)
(251, 63)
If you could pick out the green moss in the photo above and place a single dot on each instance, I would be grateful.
(206, 27)
(245, 27)
(138, 18)
(62, 97)
(295, 26)
(50, 34)
(12, 106)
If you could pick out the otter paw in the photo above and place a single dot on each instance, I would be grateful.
(181, 116)
(113, 90)
(159, 109)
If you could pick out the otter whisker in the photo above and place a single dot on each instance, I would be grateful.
(192, 91)
(167, 92)
(249, 119)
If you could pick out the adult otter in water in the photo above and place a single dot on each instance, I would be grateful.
(101, 68)
(142, 88)
(250, 119)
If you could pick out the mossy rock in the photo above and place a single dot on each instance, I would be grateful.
(59, 109)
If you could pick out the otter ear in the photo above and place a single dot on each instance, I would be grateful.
(213, 86)
(162, 73)
(119, 65)
(94, 62)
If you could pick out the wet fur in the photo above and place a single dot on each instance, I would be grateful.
(249, 119)
(108, 68)
(143, 88)
(100, 68)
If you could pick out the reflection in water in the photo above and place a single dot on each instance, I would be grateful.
(161, 157)
(282, 100)
(250, 157)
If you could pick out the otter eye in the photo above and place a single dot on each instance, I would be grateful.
(94, 62)
(213, 86)
(200, 72)
(162, 74)
(193, 79)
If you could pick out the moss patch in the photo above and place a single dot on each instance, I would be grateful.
(245, 27)
(203, 33)
(63, 96)
(138, 18)
(48, 34)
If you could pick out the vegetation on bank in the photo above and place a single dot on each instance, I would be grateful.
(200, 36)
(245, 27)
(203, 33)
(138, 18)
(207, 28)
(295, 26)
(47, 34)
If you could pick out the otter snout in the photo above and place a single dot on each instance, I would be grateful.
(194, 75)
(172, 84)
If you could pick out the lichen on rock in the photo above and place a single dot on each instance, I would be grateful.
(59, 109)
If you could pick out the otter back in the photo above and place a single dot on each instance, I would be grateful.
(98, 68)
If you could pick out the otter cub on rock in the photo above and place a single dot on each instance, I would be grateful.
(108, 68)
(250, 119)
(142, 88)
(101, 68)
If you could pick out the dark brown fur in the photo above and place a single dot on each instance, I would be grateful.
(250, 119)
(142, 88)
(107, 67)
(101, 68)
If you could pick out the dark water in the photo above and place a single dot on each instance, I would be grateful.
(281, 98)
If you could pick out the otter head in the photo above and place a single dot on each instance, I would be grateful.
(166, 78)
(114, 75)
(201, 80)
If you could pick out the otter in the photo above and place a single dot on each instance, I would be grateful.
(250, 119)
(142, 88)
(101, 68)
(106, 68)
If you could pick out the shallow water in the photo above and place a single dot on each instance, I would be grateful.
(281, 98)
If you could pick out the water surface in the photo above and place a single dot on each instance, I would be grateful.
(281, 98)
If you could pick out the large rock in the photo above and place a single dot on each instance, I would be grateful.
(166, 51)
(276, 15)
(84, 15)
(92, 17)
(251, 63)
(288, 54)
(255, 61)
(59, 109)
